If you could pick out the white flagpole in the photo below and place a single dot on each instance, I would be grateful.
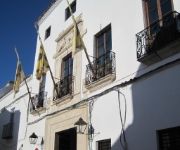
(55, 87)
(29, 93)
(84, 47)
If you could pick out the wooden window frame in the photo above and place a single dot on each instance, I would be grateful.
(63, 64)
(100, 33)
(146, 11)
(67, 11)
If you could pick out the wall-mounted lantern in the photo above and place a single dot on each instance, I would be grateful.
(33, 138)
(81, 126)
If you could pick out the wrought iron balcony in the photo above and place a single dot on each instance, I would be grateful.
(38, 101)
(65, 87)
(102, 66)
(158, 35)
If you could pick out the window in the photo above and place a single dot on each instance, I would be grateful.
(104, 59)
(42, 83)
(156, 9)
(65, 85)
(103, 52)
(160, 30)
(48, 32)
(103, 41)
(7, 132)
(67, 66)
(104, 144)
(38, 99)
(67, 11)
(42, 93)
(169, 139)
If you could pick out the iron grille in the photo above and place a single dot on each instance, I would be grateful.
(169, 139)
(102, 66)
(104, 144)
(158, 34)
(38, 100)
(65, 86)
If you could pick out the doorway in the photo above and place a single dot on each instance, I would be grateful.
(66, 140)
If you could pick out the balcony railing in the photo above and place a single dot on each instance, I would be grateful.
(65, 87)
(38, 101)
(158, 35)
(102, 66)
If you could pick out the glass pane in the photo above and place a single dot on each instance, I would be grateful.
(166, 6)
(73, 6)
(65, 68)
(67, 11)
(100, 45)
(65, 72)
(68, 66)
(42, 83)
(108, 40)
(153, 12)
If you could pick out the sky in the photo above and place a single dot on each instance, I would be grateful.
(17, 18)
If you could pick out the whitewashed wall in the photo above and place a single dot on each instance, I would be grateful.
(21, 129)
(152, 104)
(126, 18)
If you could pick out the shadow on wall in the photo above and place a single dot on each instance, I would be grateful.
(155, 99)
(9, 129)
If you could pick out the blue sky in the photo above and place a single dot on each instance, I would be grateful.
(17, 29)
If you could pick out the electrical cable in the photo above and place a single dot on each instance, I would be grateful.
(90, 127)
(122, 138)
(125, 106)
(123, 84)
(89, 99)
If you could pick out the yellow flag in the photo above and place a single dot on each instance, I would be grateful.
(76, 39)
(19, 77)
(42, 64)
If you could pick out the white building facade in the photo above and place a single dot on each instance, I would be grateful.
(17, 118)
(128, 95)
